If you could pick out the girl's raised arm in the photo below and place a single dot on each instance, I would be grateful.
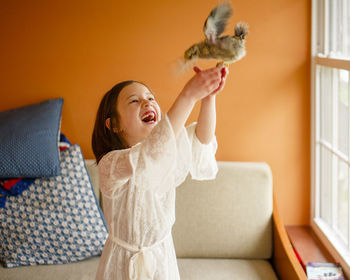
(200, 86)
(206, 124)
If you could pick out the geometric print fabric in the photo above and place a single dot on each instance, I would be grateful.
(56, 220)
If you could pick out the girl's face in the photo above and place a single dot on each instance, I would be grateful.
(138, 113)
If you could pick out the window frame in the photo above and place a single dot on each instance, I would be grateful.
(319, 35)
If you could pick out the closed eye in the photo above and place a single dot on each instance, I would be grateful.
(133, 101)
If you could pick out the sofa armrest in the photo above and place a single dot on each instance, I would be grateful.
(284, 259)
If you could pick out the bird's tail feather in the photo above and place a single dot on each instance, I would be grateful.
(241, 29)
(183, 65)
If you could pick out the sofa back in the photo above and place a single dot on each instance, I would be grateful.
(92, 169)
(229, 217)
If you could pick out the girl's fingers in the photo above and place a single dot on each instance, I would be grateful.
(197, 69)
(215, 85)
(211, 80)
(224, 73)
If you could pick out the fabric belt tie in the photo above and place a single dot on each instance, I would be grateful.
(143, 264)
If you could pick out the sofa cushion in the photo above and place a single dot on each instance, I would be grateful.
(229, 217)
(29, 140)
(225, 269)
(190, 269)
(83, 270)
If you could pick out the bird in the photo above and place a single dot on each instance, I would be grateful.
(224, 49)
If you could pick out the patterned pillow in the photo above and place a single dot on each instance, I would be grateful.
(56, 220)
(29, 140)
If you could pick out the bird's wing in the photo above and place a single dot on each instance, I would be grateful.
(216, 21)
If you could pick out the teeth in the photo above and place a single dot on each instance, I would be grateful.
(149, 116)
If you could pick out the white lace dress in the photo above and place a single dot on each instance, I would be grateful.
(138, 187)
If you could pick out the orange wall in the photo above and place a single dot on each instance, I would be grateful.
(79, 49)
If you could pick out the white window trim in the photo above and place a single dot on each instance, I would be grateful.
(321, 229)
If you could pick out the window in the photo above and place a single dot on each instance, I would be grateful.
(330, 125)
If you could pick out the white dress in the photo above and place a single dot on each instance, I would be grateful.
(138, 187)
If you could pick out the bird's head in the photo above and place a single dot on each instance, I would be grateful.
(241, 30)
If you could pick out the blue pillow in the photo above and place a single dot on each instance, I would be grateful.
(29, 140)
(15, 186)
(56, 220)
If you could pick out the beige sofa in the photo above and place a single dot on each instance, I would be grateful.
(225, 228)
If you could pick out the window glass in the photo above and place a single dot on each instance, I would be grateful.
(342, 200)
(343, 111)
(326, 186)
(326, 103)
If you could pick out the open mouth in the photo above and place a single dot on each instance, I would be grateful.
(149, 117)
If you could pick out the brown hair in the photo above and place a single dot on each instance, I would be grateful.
(105, 140)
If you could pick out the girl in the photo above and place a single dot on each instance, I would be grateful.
(142, 156)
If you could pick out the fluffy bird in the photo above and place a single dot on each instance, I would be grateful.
(225, 49)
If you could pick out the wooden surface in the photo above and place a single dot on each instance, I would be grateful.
(308, 246)
(284, 259)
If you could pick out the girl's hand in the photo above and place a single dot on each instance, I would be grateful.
(204, 83)
(224, 73)
(203, 86)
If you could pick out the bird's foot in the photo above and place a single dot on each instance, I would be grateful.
(222, 64)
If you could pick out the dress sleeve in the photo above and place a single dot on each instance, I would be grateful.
(203, 164)
(146, 164)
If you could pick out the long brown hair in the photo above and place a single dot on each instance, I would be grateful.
(105, 140)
